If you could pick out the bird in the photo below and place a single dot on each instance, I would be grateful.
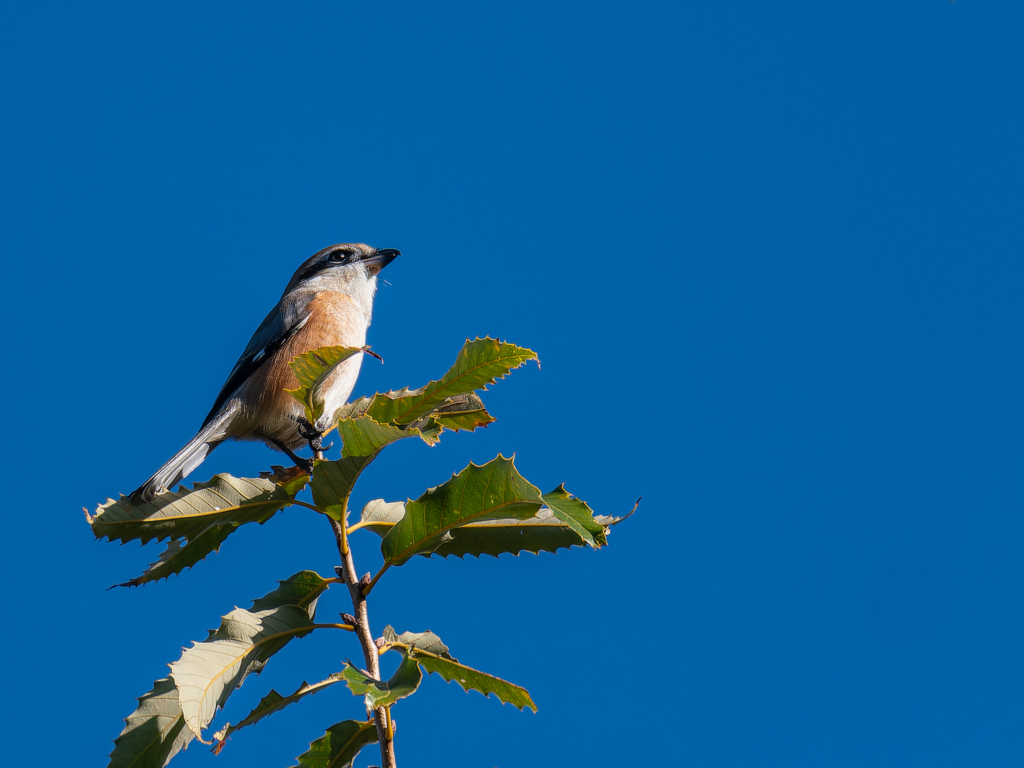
(328, 302)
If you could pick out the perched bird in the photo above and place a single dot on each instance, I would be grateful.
(328, 302)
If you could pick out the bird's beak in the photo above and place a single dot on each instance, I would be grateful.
(380, 259)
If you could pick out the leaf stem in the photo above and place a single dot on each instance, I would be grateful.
(364, 523)
(381, 718)
(347, 627)
(390, 730)
(343, 549)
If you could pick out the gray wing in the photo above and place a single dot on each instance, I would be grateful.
(269, 337)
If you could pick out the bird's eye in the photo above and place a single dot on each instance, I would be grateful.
(338, 256)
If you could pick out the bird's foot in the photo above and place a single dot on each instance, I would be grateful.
(306, 465)
(313, 435)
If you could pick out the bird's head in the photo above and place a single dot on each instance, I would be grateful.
(345, 267)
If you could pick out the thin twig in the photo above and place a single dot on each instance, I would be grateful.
(362, 626)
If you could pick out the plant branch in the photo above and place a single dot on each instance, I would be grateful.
(362, 627)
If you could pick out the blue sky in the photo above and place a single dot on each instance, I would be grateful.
(769, 255)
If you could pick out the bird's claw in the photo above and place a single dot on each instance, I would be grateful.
(312, 434)
(306, 429)
(306, 465)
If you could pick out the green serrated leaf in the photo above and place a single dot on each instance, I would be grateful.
(494, 490)
(468, 419)
(181, 554)
(577, 514)
(473, 679)
(381, 516)
(363, 439)
(420, 641)
(541, 533)
(332, 484)
(154, 733)
(312, 370)
(479, 363)
(185, 514)
(426, 649)
(378, 693)
(333, 481)
(360, 406)
(301, 589)
(339, 746)
(209, 671)
(198, 520)
(457, 412)
(275, 702)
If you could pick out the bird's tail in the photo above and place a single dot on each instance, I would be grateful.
(187, 459)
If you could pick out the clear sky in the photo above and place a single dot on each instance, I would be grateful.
(770, 255)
